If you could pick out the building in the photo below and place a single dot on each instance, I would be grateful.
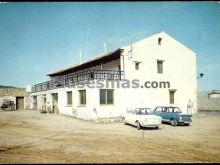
(163, 69)
(17, 95)
(214, 94)
(208, 101)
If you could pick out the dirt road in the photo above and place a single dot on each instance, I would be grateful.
(30, 137)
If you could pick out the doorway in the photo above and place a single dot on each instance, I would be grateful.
(19, 103)
(55, 103)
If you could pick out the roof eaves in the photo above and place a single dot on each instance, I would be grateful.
(90, 60)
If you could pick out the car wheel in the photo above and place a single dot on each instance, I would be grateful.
(124, 121)
(157, 127)
(138, 125)
(173, 122)
(186, 124)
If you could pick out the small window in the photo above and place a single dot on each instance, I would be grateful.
(159, 41)
(137, 64)
(159, 66)
(106, 96)
(171, 93)
(82, 97)
(69, 98)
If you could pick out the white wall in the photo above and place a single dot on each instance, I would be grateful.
(179, 68)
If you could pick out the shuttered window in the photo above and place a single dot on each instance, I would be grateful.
(172, 97)
(106, 96)
(82, 97)
(159, 66)
(69, 98)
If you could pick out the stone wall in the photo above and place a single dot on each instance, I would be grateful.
(12, 92)
(207, 104)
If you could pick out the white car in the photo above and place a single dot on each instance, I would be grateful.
(141, 117)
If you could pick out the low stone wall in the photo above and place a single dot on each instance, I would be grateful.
(206, 104)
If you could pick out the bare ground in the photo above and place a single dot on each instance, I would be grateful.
(31, 137)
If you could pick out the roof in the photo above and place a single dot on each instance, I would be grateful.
(96, 60)
(214, 92)
(106, 57)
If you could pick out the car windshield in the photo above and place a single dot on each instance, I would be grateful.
(174, 109)
(143, 111)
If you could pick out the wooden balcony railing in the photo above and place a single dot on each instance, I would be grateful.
(77, 78)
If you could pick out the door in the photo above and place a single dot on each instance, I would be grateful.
(19, 103)
(34, 102)
(55, 102)
(158, 111)
(166, 114)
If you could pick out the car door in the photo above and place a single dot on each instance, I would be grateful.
(158, 111)
(133, 117)
(164, 114)
(128, 116)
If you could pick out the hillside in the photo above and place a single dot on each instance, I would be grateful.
(3, 86)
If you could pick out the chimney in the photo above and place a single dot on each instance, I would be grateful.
(105, 47)
(80, 57)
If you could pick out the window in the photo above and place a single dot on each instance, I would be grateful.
(137, 65)
(159, 41)
(159, 66)
(158, 109)
(143, 111)
(171, 92)
(106, 96)
(82, 97)
(69, 98)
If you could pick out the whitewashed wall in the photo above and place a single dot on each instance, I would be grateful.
(179, 68)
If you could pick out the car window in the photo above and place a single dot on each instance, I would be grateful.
(148, 110)
(176, 110)
(143, 111)
(164, 109)
(158, 109)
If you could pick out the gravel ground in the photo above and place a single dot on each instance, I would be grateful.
(31, 137)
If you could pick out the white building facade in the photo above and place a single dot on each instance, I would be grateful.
(155, 71)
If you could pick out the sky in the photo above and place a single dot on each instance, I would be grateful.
(37, 38)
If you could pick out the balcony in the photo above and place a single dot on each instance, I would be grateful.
(72, 79)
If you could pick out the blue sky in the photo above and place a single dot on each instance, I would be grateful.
(38, 38)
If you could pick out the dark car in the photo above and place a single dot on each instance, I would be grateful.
(172, 115)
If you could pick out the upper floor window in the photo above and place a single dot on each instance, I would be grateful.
(82, 97)
(159, 41)
(106, 96)
(69, 98)
(137, 64)
(160, 66)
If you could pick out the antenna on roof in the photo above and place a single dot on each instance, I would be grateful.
(80, 56)
(87, 38)
(105, 48)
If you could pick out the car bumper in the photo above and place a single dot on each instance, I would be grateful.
(150, 124)
(185, 122)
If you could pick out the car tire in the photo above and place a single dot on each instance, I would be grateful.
(173, 122)
(138, 125)
(157, 127)
(124, 121)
